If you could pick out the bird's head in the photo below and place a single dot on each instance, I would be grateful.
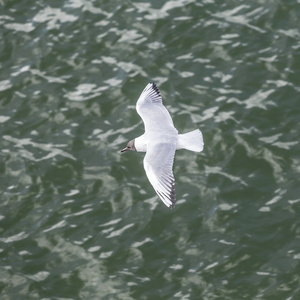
(130, 146)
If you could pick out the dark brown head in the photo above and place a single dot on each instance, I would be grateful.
(130, 146)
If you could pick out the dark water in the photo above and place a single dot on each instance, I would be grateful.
(80, 221)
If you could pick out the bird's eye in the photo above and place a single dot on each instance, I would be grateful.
(129, 147)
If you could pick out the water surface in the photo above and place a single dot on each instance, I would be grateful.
(80, 221)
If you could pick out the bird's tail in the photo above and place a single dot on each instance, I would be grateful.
(192, 141)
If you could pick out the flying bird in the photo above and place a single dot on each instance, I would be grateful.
(160, 141)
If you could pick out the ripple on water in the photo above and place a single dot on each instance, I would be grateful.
(82, 220)
(53, 150)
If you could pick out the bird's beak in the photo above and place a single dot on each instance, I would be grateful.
(123, 150)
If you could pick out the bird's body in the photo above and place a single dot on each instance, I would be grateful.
(160, 141)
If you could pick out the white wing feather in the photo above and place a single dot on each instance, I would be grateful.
(158, 164)
(152, 111)
(161, 137)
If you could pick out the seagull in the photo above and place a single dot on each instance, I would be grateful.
(160, 141)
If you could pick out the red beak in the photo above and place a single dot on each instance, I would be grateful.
(123, 150)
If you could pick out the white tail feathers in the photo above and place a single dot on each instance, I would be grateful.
(192, 141)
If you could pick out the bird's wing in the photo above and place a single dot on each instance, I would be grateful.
(158, 164)
(150, 95)
(152, 111)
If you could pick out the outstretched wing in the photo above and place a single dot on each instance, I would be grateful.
(152, 111)
(150, 95)
(158, 164)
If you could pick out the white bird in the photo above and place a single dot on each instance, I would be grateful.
(160, 141)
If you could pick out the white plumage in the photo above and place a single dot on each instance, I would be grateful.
(160, 141)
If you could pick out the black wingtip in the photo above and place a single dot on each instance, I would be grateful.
(155, 88)
(173, 199)
(172, 205)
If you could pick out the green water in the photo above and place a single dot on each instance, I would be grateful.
(78, 220)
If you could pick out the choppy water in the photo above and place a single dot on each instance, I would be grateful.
(80, 221)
